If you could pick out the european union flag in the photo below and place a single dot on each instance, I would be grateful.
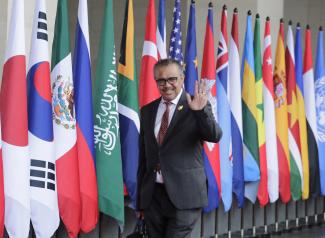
(191, 74)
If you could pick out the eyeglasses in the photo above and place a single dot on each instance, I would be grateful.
(162, 81)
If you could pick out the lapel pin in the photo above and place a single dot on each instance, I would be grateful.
(180, 107)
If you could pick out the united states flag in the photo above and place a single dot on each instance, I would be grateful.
(175, 44)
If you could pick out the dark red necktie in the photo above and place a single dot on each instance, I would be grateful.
(164, 124)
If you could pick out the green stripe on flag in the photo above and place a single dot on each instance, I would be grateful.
(250, 132)
(61, 37)
(128, 82)
(295, 179)
(128, 93)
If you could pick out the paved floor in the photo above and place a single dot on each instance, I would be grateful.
(316, 231)
(312, 232)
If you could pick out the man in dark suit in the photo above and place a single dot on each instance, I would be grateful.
(172, 185)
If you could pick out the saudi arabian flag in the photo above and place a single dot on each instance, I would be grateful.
(106, 124)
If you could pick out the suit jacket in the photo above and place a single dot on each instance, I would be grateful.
(179, 156)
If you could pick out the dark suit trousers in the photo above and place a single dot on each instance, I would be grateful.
(164, 220)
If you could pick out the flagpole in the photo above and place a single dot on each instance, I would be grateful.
(316, 215)
(323, 210)
(276, 217)
(253, 222)
(297, 219)
(229, 224)
(306, 212)
(287, 221)
(265, 223)
(216, 222)
(242, 222)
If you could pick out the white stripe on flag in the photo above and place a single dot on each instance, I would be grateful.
(309, 98)
(64, 138)
(234, 85)
(271, 146)
(267, 42)
(161, 45)
(150, 49)
(16, 187)
(294, 150)
(83, 20)
(128, 112)
(16, 31)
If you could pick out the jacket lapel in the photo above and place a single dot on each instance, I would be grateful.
(153, 118)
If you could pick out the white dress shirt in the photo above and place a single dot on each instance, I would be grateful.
(160, 113)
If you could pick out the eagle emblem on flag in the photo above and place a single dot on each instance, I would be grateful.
(63, 110)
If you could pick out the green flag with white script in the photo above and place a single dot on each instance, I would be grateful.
(106, 124)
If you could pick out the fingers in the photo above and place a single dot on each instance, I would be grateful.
(202, 86)
(196, 89)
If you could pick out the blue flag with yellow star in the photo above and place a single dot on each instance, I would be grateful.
(191, 74)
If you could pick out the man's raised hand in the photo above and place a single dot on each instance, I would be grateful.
(200, 98)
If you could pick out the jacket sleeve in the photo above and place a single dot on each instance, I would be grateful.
(208, 127)
(142, 164)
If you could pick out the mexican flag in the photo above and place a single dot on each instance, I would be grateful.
(64, 124)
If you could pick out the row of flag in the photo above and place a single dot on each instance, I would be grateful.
(74, 143)
(71, 150)
(48, 168)
(272, 119)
